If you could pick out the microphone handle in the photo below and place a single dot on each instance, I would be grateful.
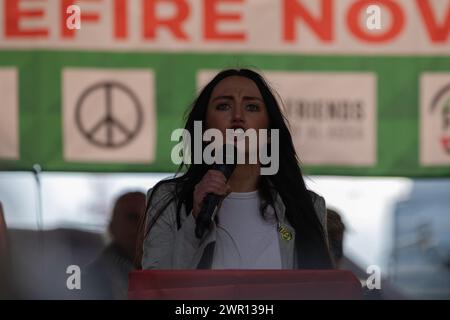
(210, 202)
(205, 215)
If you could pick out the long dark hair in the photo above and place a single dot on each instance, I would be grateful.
(312, 250)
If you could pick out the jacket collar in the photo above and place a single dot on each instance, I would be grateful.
(286, 233)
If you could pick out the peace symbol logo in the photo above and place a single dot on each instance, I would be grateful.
(110, 130)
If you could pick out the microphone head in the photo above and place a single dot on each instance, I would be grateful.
(230, 154)
(227, 160)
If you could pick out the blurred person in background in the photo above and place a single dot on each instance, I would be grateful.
(6, 276)
(336, 230)
(107, 275)
(4, 290)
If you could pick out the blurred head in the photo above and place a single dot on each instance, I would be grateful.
(128, 210)
(336, 229)
(4, 258)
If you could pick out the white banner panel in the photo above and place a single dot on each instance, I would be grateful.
(435, 119)
(108, 115)
(9, 127)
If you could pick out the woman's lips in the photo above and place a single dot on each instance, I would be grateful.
(239, 134)
(235, 134)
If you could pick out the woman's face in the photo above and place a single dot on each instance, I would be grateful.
(236, 103)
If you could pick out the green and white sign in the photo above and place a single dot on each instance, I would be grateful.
(106, 97)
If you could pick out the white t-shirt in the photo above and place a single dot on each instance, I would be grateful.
(245, 239)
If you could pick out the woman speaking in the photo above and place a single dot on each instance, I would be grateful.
(262, 221)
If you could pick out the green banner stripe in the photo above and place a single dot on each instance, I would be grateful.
(175, 80)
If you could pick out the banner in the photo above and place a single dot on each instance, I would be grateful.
(100, 85)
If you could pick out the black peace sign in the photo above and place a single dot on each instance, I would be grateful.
(110, 122)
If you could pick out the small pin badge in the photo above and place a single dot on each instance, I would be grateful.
(285, 234)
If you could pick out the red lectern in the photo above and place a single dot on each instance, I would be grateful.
(243, 285)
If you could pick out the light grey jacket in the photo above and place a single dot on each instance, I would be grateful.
(167, 247)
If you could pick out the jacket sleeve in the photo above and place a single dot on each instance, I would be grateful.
(321, 211)
(166, 247)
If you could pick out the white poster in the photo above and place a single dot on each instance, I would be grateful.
(108, 115)
(9, 127)
(435, 119)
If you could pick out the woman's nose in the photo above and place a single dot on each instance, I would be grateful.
(237, 114)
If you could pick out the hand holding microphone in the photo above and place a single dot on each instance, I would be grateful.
(212, 182)
(209, 191)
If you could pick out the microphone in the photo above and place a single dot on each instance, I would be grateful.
(211, 200)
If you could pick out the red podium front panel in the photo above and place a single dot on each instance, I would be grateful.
(243, 284)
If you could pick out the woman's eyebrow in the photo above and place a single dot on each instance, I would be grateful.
(231, 98)
(223, 98)
(251, 98)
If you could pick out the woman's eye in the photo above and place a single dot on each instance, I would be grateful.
(252, 107)
(223, 106)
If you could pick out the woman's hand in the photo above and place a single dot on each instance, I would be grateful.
(212, 182)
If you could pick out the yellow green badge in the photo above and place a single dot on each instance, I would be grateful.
(285, 234)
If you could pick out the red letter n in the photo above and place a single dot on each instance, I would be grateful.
(322, 26)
